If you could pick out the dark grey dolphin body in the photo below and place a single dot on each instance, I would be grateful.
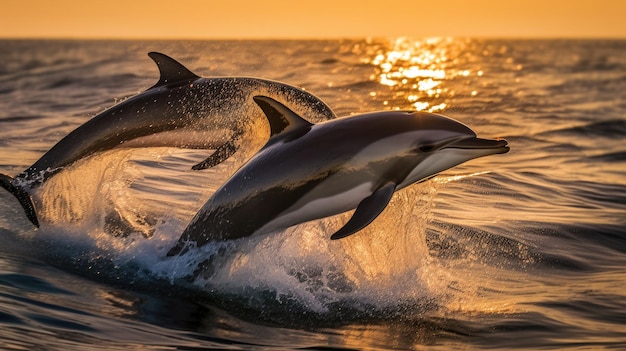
(310, 171)
(179, 101)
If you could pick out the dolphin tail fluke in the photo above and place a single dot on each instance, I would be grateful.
(22, 196)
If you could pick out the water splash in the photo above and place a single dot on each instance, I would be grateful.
(107, 210)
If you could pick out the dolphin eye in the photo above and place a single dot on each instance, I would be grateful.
(426, 148)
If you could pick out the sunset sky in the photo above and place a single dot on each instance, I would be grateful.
(196, 19)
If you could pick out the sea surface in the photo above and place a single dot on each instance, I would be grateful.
(525, 250)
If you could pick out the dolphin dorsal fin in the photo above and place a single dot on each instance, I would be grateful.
(282, 120)
(171, 70)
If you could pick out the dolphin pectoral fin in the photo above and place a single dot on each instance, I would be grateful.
(367, 211)
(22, 196)
(172, 71)
(220, 155)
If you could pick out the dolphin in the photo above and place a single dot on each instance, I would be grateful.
(310, 171)
(179, 101)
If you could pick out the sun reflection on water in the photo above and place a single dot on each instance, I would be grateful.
(454, 178)
(417, 71)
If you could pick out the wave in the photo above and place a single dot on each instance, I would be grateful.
(613, 129)
(611, 157)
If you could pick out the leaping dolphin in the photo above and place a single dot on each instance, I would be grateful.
(309, 171)
(180, 100)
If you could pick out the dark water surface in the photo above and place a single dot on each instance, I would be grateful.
(525, 250)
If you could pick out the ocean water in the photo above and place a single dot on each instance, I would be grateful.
(525, 250)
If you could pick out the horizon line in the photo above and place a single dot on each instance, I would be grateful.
(312, 38)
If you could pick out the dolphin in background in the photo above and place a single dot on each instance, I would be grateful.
(215, 109)
(309, 171)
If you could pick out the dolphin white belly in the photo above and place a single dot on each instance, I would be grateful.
(322, 201)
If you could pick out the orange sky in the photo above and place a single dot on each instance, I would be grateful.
(312, 19)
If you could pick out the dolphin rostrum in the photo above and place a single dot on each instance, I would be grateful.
(309, 171)
(179, 101)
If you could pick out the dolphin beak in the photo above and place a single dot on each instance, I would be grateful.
(487, 146)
